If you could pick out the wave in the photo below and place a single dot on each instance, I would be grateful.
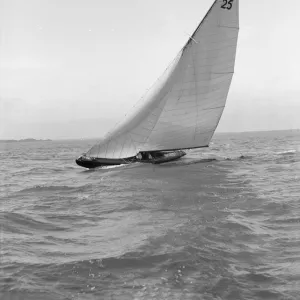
(290, 220)
(103, 169)
(241, 157)
(132, 207)
(235, 225)
(287, 152)
(10, 220)
(113, 167)
(129, 260)
(188, 161)
(54, 188)
(41, 158)
(43, 171)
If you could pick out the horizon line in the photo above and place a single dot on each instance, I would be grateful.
(94, 138)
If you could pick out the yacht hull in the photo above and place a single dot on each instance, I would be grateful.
(156, 158)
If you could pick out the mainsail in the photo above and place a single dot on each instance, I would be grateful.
(183, 108)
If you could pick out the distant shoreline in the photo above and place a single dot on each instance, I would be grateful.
(25, 140)
(257, 131)
(294, 130)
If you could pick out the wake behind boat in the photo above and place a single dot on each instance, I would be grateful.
(184, 107)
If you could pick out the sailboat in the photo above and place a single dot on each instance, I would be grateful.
(183, 108)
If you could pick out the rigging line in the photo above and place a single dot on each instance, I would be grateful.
(115, 146)
(204, 80)
(230, 66)
(133, 142)
(185, 119)
(209, 50)
(221, 48)
(170, 133)
(207, 81)
(203, 100)
(222, 110)
(191, 37)
(209, 85)
(144, 128)
(210, 108)
(180, 94)
(183, 133)
(225, 63)
(94, 146)
(194, 33)
(186, 124)
(232, 27)
(216, 26)
(210, 92)
(195, 77)
(223, 73)
(217, 64)
(98, 150)
(206, 132)
(107, 147)
(218, 56)
(127, 161)
(221, 41)
(165, 100)
(123, 146)
(209, 35)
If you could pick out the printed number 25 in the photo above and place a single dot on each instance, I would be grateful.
(227, 4)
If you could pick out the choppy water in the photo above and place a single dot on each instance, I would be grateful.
(227, 228)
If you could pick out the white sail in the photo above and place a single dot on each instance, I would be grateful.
(183, 108)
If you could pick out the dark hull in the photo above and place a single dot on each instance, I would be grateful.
(91, 163)
(157, 158)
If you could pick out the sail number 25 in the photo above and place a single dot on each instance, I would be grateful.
(227, 4)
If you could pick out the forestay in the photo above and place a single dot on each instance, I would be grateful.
(183, 108)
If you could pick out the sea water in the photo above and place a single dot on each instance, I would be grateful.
(220, 223)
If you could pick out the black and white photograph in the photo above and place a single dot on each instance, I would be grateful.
(149, 150)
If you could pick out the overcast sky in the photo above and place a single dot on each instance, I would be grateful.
(72, 68)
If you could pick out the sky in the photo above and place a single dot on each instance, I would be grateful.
(73, 68)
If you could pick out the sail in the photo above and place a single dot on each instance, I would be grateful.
(183, 108)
